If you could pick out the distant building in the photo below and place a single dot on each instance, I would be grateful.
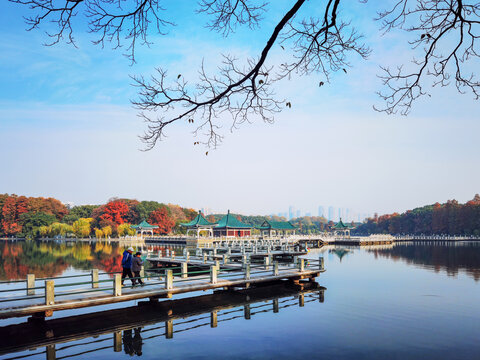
(291, 212)
(308, 214)
(331, 212)
(320, 211)
(299, 213)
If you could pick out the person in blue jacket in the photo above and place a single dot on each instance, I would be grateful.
(127, 265)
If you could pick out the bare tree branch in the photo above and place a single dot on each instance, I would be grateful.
(112, 20)
(446, 34)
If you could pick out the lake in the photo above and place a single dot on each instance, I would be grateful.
(408, 301)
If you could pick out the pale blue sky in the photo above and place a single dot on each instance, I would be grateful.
(67, 129)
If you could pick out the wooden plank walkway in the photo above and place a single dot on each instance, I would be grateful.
(171, 315)
(164, 286)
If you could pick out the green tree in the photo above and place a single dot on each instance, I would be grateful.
(32, 221)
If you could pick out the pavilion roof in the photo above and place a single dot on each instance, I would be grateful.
(341, 226)
(198, 221)
(230, 221)
(277, 225)
(144, 225)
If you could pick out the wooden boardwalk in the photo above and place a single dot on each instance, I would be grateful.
(103, 330)
(57, 294)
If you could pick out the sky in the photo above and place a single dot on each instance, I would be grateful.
(68, 130)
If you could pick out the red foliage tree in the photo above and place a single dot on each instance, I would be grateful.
(164, 221)
(115, 211)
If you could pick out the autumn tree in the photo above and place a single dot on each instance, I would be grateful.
(81, 227)
(163, 220)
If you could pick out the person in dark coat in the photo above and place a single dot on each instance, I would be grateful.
(137, 267)
(127, 265)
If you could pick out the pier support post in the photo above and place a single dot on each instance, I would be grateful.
(266, 261)
(275, 268)
(244, 261)
(301, 300)
(213, 319)
(213, 274)
(49, 292)
(168, 329)
(246, 312)
(117, 341)
(301, 264)
(50, 352)
(217, 264)
(321, 263)
(225, 259)
(275, 305)
(168, 279)
(321, 296)
(204, 258)
(142, 271)
(184, 268)
(95, 278)
(30, 284)
(247, 272)
(117, 284)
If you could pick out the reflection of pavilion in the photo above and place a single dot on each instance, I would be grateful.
(198, 225)
(144, 227)
(339, 252)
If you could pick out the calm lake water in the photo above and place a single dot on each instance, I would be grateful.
(409, 301)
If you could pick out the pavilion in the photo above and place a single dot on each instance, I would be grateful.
(199, 224)
(144, 227)
(231, 226)
(341, 229)
(273, 228)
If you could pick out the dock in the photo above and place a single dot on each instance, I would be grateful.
(109, 330)
(42, 297)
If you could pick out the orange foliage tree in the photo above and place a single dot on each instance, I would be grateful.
(162, 219)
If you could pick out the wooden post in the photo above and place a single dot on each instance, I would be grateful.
(117, 284)
(275, 305)
(295, 260)
(204, 258)
(321, 263)
(321, 296)
(50, 352)
(168, 329)
(246, 312)
(142, 271)
(275, 268)
(266, 261)
(213, 274)
(301, 264)
(184, 268)
(213, 319)
(168, 279)
(30, 284)
(188, 256)
(117, 341)
(247, 272)
(301, 300)
(225, 259)
(95, 278)
(49, 292)
(217, 264)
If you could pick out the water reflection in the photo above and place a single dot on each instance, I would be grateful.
(132, 328)
(49, 259)
(450, 257)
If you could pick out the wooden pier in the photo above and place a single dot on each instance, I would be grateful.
(101, 331)
(57, 294)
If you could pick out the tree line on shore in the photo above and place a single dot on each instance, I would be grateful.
(36, 217)
(450, 218)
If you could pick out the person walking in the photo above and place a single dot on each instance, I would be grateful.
(137, 267)
(127, 265)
